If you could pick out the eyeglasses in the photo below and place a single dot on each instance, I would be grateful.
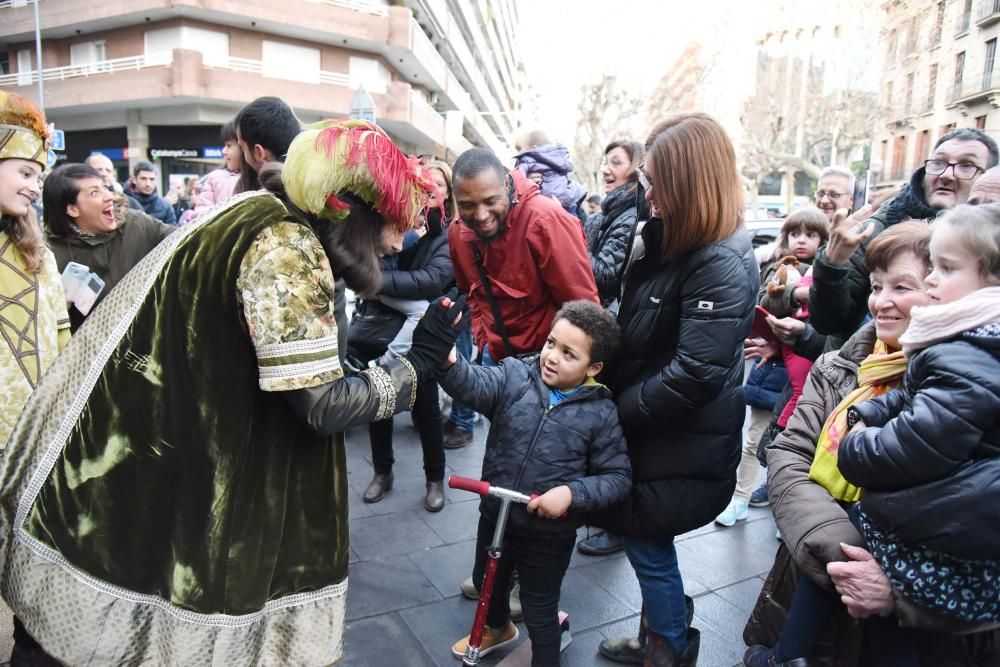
(832, 195)
(965, 171)
(644, 180)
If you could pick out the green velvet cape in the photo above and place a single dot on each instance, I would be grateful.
(156, 499)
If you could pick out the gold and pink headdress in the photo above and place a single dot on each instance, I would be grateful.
(355, 156)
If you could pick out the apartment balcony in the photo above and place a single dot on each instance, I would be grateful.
(989, 13)
(982, 87)
(182, 77)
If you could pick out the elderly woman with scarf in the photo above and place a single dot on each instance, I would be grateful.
(175, 491)
(812, 502)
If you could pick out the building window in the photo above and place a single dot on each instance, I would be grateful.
(912, 37)
(4, 63)
(369, 73)
(885, 155)
(908, 100)
(991, 54)
(24, 68)
(214, 46)
(899, 157)
(88, 53)
(922, 149)
(938, 25)
(932, 87)
(959, 73)
(890, 49)
(981, 122)
(288, 61)
(945, 129)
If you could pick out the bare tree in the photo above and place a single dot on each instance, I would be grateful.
(604, 113)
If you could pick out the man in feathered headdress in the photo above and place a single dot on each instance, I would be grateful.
(176, 490)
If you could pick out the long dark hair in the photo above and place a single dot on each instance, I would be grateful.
(350, 244)
(62, 189)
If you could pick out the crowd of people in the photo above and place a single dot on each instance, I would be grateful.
(178, 373)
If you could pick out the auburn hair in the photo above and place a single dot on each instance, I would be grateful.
(695, 182)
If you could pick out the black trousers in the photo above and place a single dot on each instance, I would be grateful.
(427, 414)
(540, 564)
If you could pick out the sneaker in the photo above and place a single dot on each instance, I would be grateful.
(737, 511)
(759, 497)
(470, 591)
(454, 437)
(490, 642)
(601, 544)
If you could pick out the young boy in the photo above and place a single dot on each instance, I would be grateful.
(554, 431)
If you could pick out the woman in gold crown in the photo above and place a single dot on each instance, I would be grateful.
(179, 494)
(34, 324)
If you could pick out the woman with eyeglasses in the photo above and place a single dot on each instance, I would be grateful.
(840, 288)
(687, 305)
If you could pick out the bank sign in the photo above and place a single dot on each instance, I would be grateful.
(205, 152)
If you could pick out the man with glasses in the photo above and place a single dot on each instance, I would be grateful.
(838, 297)
(834, 190)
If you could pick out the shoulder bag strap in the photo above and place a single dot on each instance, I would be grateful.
(498, 323)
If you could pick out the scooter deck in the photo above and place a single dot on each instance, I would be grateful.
(521, 656)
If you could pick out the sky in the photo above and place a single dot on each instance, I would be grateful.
(567, 43)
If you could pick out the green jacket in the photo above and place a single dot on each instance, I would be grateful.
(110, 255)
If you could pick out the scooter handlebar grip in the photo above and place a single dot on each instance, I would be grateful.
(467, 484)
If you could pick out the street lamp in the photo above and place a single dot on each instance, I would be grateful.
(362, 106)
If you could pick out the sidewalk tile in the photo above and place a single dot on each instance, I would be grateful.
(380, 586)
(382, 640)
(587, 604)
(447, 566)
(391, 535)
(456, 521)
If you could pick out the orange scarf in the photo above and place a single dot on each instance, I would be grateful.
(879, 373)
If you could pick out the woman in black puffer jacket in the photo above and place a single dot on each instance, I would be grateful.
(422, 273)
(610, 229)
(687, 305)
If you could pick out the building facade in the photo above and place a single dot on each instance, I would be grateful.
(156, 79)
(939, 74)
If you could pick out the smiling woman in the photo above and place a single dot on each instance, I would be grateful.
(33, 320)
(81, 227)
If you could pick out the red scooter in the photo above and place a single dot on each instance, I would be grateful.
(493, 553)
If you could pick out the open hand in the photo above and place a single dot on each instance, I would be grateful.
(552, 504)
(758, 348)
(848, 233)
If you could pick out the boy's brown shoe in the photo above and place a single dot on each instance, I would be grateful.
(491, 641)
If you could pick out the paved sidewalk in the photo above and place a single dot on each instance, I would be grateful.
(404, 606)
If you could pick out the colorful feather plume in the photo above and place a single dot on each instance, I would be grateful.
(354, 156)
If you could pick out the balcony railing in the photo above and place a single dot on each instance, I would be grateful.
(132, 63)
(962, 24)
(90, 69)
(975, 86)
(989, 12)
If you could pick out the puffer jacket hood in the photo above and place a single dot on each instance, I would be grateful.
(553, 163)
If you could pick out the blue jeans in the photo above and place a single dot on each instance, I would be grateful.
(659, 575)
(462, 416)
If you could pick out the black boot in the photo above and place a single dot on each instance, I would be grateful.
(632, 650)
(659, 652)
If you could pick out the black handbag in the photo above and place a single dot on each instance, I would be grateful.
(373, 327)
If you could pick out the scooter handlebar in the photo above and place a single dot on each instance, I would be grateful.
(467, 484)
(484, 488)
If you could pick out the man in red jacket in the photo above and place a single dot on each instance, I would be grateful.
(517, 249)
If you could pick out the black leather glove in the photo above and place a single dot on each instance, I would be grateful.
(435, 335)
